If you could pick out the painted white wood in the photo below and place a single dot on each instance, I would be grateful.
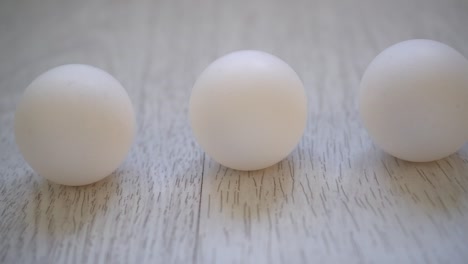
(335, 199)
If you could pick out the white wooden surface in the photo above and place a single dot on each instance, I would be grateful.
(335, 199)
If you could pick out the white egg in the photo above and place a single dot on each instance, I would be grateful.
(248, 110)
(74, 124)
(414, 100)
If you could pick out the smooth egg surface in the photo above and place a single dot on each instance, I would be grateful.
(74, 124)
(248, 110)
(414, 100)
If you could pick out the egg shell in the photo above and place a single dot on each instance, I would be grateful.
(248, 110)
(414, 100)
(74, 124)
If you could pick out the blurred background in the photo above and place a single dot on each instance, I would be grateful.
(311, 35)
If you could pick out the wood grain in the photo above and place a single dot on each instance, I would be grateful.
(336, 199)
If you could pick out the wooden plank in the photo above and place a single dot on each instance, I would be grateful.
(148, 210)
(338, 199)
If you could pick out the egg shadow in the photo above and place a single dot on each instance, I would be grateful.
(246, 196)
(58, 213)
(435, 187)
